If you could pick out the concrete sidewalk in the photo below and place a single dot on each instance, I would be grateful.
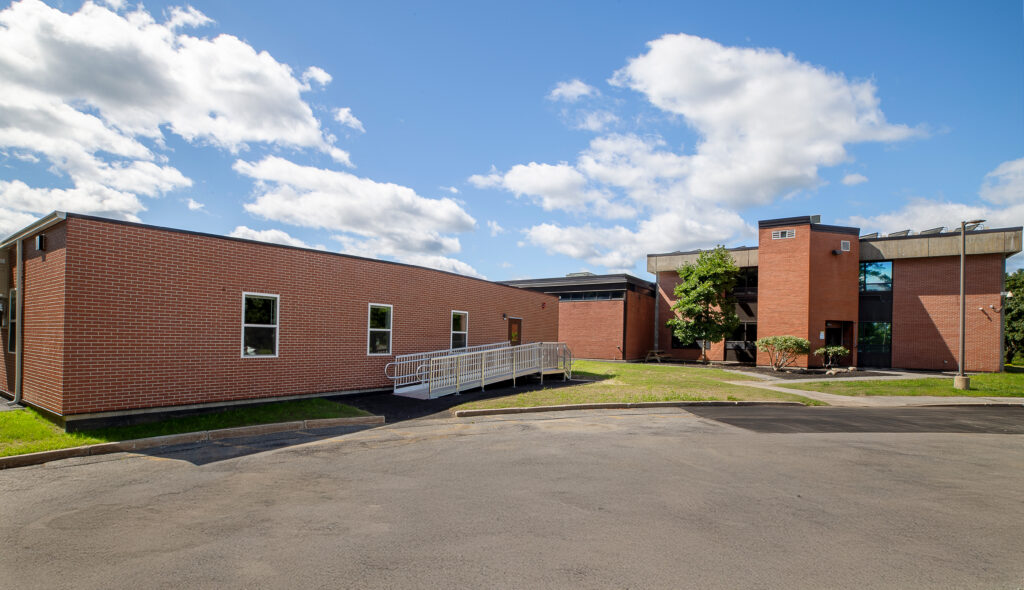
(876, 401)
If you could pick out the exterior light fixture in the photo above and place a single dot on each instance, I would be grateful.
(962, 381)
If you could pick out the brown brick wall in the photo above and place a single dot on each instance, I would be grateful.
(783, 286)
(42, 321)
(154, 317)
(834, 290)
(639, 325)
(592, 329)
(926, 308)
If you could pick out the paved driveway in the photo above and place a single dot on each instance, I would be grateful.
(612, 499)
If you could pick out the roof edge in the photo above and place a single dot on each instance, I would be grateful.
(40, 224)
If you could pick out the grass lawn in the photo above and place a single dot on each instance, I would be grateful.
(983, 385)
(636, 382)
(26, 431)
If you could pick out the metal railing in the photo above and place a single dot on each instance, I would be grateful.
(406, 369)
(451, 371)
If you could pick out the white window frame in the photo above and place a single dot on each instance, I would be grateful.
(783, 234)
(12, 302)
(389, 330)
(844, 245)
(277, 326)
(451, 339)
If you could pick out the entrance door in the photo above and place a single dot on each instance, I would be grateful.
(515, 331)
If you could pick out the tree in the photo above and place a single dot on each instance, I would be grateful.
(782, 350)
(705, 309)
(830, 354)
(1013, 307)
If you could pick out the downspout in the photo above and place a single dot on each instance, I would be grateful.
(19, 285)
(657, 303)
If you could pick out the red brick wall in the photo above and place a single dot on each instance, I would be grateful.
(834, 289)
(7, 367)
(639, 325)
(592, 329)
(926, 311)
(42, 321)
(666, 284)
(154, 317)
(783, 286)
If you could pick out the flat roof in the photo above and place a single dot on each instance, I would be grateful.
(591, 282)
(57, 216)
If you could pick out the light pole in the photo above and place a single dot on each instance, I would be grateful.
(962, 381)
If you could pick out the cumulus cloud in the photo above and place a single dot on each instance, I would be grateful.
(315, 74)
(854, 179)
(765, 122)
(346, 118)
(274, 236)
(95, 92)
(373, 218)
(194, 205)
(495, 228)
(1002, 193)
(571, 91)
(595, 120)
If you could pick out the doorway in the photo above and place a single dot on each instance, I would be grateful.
(515, 331)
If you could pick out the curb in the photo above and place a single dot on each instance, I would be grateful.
(613, 406)
(184, 438)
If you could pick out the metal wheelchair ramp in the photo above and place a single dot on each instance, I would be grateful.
(428, 375)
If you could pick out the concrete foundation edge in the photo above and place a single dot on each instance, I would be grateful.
(184, 438)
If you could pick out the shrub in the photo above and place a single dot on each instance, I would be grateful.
(782, 350)
(830, 354)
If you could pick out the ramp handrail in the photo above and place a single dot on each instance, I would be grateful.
(450, 371)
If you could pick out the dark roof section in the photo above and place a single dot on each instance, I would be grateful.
(812, 220)
(944, 234)
(271, 245)
(617, 282)
(699, 250)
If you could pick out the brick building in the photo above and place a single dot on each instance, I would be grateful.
(119, 317)
(607, 317)
(892, 300)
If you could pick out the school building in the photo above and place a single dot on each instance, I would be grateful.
(105, 318)
(893, 300)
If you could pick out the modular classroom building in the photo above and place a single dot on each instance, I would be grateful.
(103, 318)
(894, 300)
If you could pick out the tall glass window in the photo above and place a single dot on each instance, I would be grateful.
(876, 276)
(874, 337)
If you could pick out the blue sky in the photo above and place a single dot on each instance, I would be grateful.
(513, 141)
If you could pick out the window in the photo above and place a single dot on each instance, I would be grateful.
(876, 276)
(12, 318)
(678, 345)
(782, 234)
(593, 296)
(378, 338)
(874, 337)
(259, 325)
(460, 329)
(844, 245)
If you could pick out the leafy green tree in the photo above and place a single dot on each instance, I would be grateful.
(1013, 307)
(705, 309)
(782, 350)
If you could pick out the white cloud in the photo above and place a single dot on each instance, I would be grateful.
(495, 228)
(194, 205)
(95, 92)
(315, 74)
(12, 221)
(450, 189)
(572, 90)
(346, 118)
(767, 121)
(595, 120)
(559, 186)
(1005, 184)
(765, 124)
(274, 236)
(854, 179)
(1002, 190)
(377, 219)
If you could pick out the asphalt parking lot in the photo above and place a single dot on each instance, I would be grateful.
(925, 498)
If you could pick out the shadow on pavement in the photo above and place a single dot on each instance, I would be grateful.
(793, 419)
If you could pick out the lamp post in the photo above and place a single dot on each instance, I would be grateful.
(962, 381)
